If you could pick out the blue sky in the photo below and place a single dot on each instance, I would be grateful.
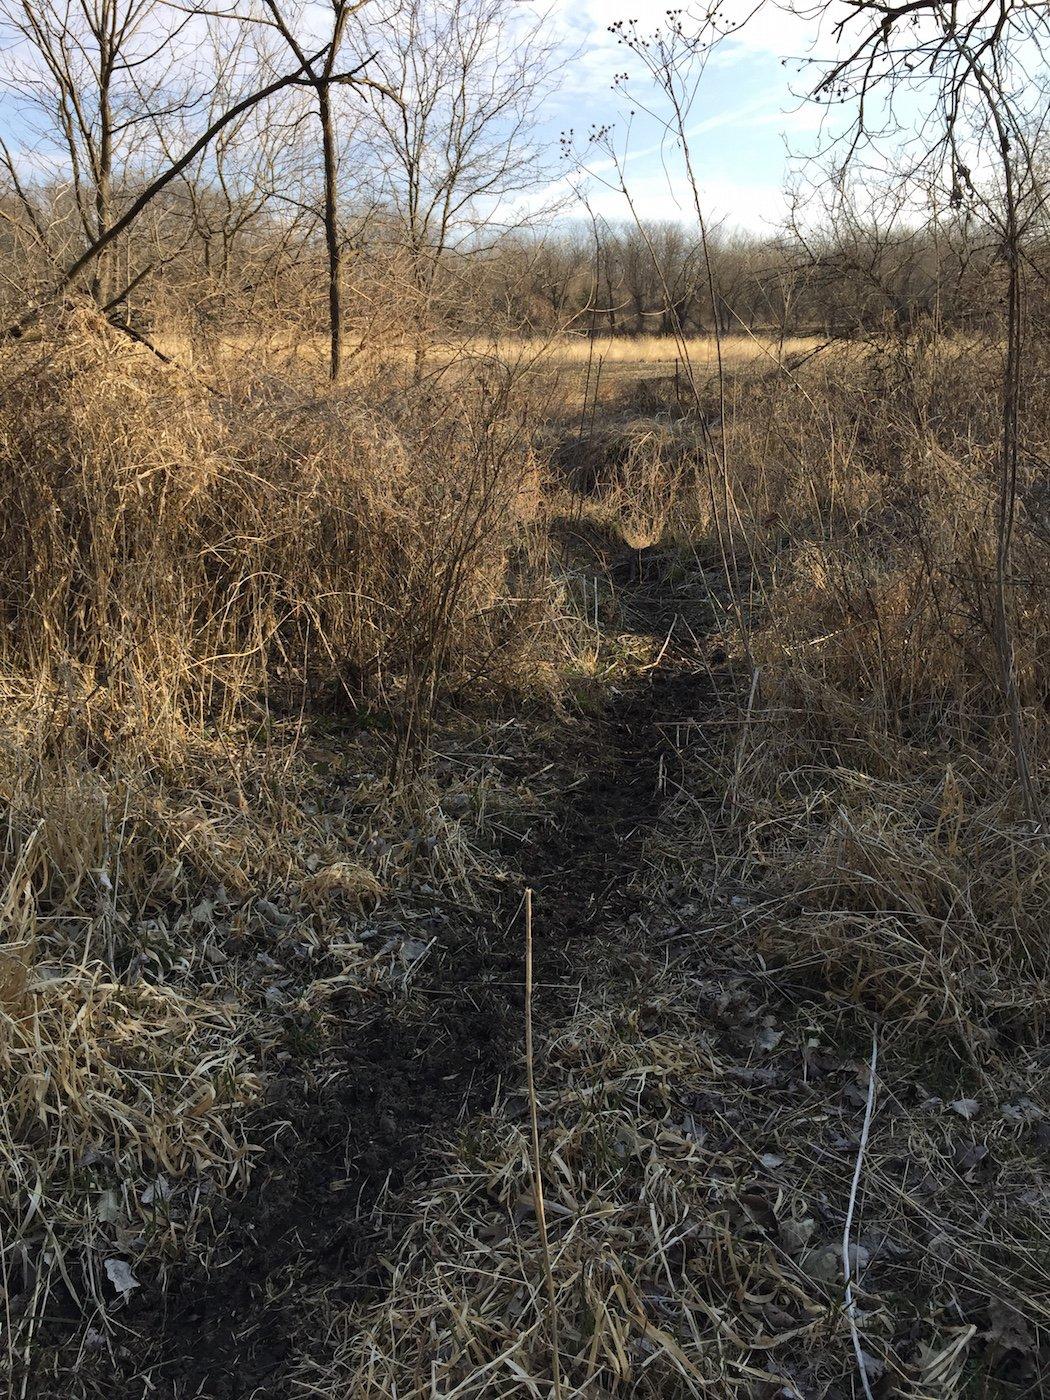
(747, 120)
(750, 126)
(748, 117)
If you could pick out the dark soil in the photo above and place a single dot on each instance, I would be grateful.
(404, 1079)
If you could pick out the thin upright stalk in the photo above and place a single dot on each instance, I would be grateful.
(537, 1178)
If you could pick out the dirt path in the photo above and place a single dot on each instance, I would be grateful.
(776, 1108)
(308, 1220)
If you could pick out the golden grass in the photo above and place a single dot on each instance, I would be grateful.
(843, 854)
(275, 530)
(185, 576)
(563, 350)
(872, 782)
(646, 350)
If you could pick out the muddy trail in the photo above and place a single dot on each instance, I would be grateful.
(361, 1136)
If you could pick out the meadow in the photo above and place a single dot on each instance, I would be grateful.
(524, 734)
(305, 685)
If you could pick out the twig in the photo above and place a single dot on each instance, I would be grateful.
(652, 665)
(847, 1268)
(537, 1180)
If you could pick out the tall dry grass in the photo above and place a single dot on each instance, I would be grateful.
(847, 542)
(184, 574)
(178, 551)
(875, 776)
(703, 350)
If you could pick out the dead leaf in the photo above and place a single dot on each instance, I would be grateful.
(968, 1157)
(966, 1108)
(109, 1209)
(1023, 1111)
(795, 1235)
(157, 1191)
(118, 1271)
(1009, 1328)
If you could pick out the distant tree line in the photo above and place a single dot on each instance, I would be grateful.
(845, 276)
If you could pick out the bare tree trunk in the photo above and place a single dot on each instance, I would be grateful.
(1014, 173)
(1008, 462)
(331, 235)
(103, 190)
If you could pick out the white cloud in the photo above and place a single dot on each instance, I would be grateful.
(755, 207)
(751, 198)
(769, 29)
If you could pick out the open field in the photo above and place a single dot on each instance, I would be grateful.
(641, 350)
(631, 354)
(605, 366)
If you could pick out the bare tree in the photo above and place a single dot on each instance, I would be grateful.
(322, 77)
(460, 146)
(93, 77)
(90, 129)
(973, 69)
(154, 188)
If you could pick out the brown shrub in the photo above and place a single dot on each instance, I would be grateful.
(182, 552)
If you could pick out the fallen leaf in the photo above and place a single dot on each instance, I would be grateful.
(1009, 1328)
(966, 1108)
(826, 1263)
(874, 1369)
(795, 1235)
(109, 1207)
(159, 1190)
(118, 1271)
(1023, 1111)
(968, 1157)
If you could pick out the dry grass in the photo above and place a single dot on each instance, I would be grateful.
(698, 1143)
(272, 533)
(850, 831)
(170, 946)
(869, 774)
(183, 575)
(189, 579)
(702, 351)
(618, 355)
(876, 769)
(607, 369)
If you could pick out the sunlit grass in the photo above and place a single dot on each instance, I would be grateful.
(667, 349)
(570, 350)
